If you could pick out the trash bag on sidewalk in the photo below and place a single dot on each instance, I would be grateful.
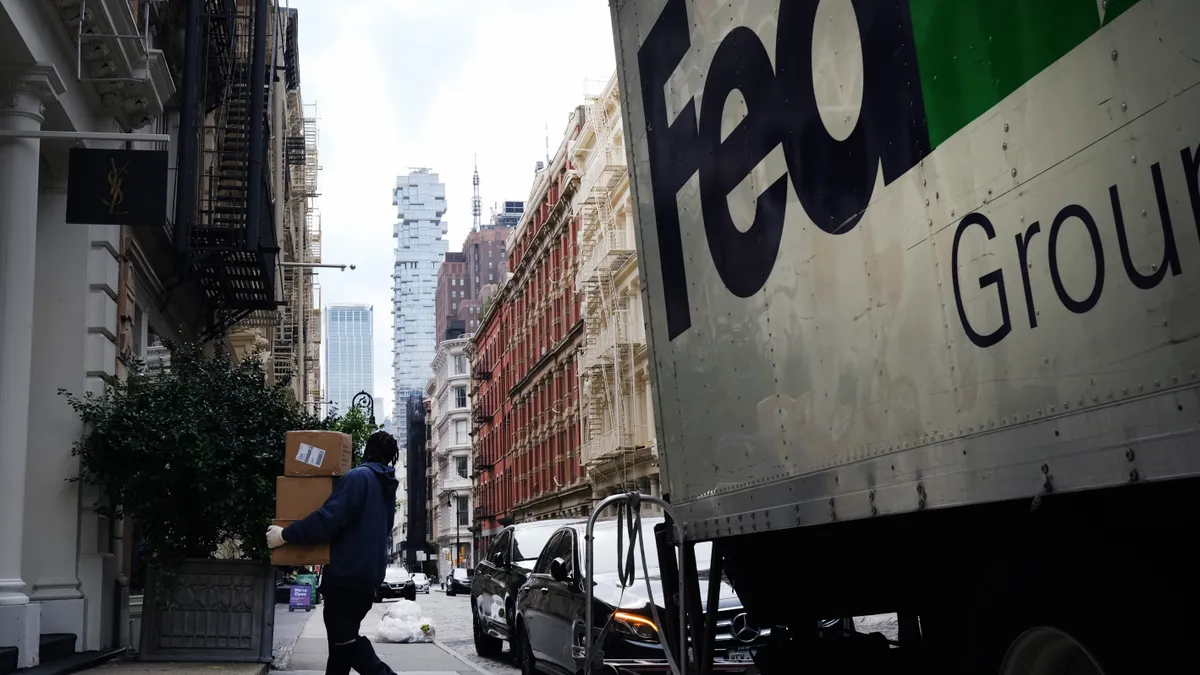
(402, 622)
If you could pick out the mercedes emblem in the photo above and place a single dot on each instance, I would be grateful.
(742, 630)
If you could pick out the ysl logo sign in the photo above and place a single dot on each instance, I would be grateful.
(116, 181)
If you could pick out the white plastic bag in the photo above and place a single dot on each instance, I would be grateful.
(402, 622)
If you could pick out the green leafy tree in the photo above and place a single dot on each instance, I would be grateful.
(356, 424)
(191, 453)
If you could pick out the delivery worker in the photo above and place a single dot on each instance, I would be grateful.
(355, 521)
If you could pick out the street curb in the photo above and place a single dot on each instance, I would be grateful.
(283, 659)
(460, 657)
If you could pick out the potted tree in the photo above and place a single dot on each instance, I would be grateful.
(191, 454)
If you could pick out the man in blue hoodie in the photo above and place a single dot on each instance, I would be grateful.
(355, 520)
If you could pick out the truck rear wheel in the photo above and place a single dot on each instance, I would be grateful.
(1090, 610)
(1048, 651)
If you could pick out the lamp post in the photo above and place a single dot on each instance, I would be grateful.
(364, 400)
(457, 544)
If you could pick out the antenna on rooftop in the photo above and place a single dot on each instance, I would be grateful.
(476, 202)
(547, 143)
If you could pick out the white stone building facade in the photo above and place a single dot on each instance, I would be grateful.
(617, 421)
(77, 300)
(450, 464)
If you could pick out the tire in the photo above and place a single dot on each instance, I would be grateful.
(486, 645)
(525, 660)
(450, 591)
(1076, 597)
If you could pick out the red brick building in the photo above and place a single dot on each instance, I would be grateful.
(527, 441)
(490, 380)
(466, 278)
(451, 291)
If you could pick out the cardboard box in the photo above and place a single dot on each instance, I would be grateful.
(296, 554)
(318, 453)
(298, 496)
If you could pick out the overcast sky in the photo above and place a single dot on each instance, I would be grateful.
(410, 83)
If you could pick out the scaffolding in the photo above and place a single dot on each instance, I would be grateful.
(612, 431)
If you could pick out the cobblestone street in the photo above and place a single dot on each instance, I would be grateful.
(451, 618)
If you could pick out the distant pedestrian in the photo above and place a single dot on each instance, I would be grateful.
(355, 521)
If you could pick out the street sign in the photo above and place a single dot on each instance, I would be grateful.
(117, 187)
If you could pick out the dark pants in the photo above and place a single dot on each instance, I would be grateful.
(344, 612)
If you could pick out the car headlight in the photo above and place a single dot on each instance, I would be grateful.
(637, 626)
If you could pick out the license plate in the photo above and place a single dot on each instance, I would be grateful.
(741, 655)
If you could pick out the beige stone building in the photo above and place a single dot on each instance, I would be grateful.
(617, 421)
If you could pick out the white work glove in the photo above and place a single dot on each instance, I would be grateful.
(275, 537)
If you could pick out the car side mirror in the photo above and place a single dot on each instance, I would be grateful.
(558, 570)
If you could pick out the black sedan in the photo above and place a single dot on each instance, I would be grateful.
(551, 606)
(498, 577)
(459, 581)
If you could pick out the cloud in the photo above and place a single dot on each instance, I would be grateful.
(403, 83)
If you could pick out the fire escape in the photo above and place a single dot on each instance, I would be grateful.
(224, 221)
(612, 332)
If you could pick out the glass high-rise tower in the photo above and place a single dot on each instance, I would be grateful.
(420, 200)
(349, 364)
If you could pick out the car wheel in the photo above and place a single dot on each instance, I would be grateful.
(450, 591)
(485, 645)
(525, 653)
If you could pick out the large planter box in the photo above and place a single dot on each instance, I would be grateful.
(222, 610)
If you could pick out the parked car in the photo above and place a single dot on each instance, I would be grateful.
(550, 607)
(459, 581)
(498, 576)
(397, 583)
(421, 581)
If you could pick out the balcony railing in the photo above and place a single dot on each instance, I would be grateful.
(613, 443)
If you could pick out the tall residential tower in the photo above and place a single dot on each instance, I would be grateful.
(349, 365)
(420, 200)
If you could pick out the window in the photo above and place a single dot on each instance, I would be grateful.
(499, 553)
(460, 364)
(460, 397)
(460, 466)
(460, 433)
(549, 553)
(464, 511)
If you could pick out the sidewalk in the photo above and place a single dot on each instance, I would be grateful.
(308, 656)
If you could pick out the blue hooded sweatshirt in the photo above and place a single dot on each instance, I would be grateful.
(356, 521)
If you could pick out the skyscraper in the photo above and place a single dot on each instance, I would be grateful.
(420, 200)
(349, 365)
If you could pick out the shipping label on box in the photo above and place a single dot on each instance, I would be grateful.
(318, 453)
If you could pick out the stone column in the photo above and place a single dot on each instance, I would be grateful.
(22, 93)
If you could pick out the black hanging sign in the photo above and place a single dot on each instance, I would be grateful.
(117, 187)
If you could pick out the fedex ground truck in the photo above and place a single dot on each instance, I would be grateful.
(922, 290)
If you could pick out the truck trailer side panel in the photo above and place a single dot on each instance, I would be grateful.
(915, 254)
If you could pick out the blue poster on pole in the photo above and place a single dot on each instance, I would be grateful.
(300, 598)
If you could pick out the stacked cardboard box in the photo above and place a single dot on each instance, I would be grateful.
(312, 462)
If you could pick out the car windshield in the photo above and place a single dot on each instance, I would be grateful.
(419, 577)
(460, 573)
(605, 548)
(396, 575)
(528, 542)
